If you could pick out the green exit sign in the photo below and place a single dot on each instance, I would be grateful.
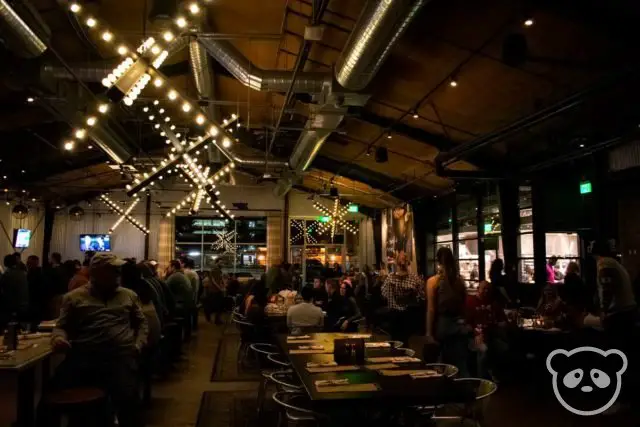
(353, 208)
(585, 187)
(488, 228)
(324, 219)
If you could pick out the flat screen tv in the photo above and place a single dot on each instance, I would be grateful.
(95, 242)
(21, 238)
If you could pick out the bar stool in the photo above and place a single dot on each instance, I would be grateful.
(83, 406)
(296, 407)
(245, 328)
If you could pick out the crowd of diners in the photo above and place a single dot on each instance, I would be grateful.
(111, 312)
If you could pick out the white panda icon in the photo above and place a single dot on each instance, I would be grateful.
(587, 380)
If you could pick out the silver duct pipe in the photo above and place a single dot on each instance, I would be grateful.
(379, 26)
(258, 79)
(250, 161)
(32, 45)
(202, 76)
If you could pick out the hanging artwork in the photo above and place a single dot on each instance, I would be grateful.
(397, 234)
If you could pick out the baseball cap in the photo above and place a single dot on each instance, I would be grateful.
(104, 259)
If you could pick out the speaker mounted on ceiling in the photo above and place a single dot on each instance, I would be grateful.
(382, 156)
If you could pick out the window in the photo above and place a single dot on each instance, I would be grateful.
(240, 245)
(525, 237)
(468, 254)
(566, 248)
(492, 229)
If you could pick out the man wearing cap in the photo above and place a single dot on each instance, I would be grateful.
(102, 328)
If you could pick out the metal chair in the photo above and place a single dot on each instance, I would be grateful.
(475, 410)
(279, 360)
(407, 351)
(296, 407)
(396, 344)
(448, 371)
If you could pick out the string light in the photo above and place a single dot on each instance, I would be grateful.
(158, 82)
(107, 36)
(194, 8)
(91, 22)
(68, 145)
(126, 216)
(81, 133)
(186, 107)
(453, 83)
(74, 7)
(200, 119)
(167, 36)
(91, 121)
(122, 50)
(181, 22)
(529, 22)
(103, 108)
(172, 94)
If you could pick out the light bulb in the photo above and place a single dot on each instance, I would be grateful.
(200, 119)
(226, 143)
(186, 107)
(167, 119)
(156, 102)
(112, 77)
(74, 7)
(161, 111)
(68, 145)
(213, 131)
(181, 22)
(91, 121)
(80, 133)
(103, 108)
(194, 8)
(155, 49)
(167, 36)
(145, 109)
(122, 50)
(415, 116)
(453, 83)
(529, 22)
(106, 82)
(30, 100)
(158, 82)
(127, 101)
(172, 95)
(151, 117)
(157, 126)
(107, 36)
(91, 22)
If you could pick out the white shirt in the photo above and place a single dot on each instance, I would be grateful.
(304, 314)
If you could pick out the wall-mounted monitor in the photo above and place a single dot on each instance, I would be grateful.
(95, 242)
(21, 238)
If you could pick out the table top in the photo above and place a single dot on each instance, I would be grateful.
(20, 359)
(406, 390)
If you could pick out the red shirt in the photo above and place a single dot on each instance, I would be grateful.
(483, 312)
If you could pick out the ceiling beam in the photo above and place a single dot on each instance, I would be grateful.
(373, 179)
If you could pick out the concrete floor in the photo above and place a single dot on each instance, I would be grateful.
(176, 399)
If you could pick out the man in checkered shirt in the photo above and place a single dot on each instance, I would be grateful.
(402, 290)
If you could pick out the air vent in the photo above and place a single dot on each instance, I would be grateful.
(625, 157)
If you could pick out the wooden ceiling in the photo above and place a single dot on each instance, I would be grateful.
(572, 46)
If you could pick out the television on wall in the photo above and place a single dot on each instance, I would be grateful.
(95, 242)
(21, 238)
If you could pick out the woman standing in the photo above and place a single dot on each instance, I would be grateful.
(213, 294)
(446, 324)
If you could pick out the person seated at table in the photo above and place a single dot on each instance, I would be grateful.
(350, 309)
(304, 314)
(320, 296)
(103, 329)
(485, 314)
(550, 305)
(255, 302)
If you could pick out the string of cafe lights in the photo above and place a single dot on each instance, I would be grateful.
(336, 217)
(302, 232)
(213, 199)
(159, 50)
(124, 215)
(117, 209)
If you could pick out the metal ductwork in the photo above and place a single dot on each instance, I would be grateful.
(251, 161)
(26, 43)
(258, 79)
(380, 25)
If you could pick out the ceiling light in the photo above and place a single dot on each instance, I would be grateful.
(172, 94)
(158, 82)
(200, 119)
(167, 119)
(90, 147)
(103, 108)
(581, 145)
(80, 133)
(91, 22)
(145, 109)
(167, 36)
(68, 145)
(151, 117)
(74, 7)
(416, 116)
(91, 121)
(226, 143)
(107, 36)
(161, 111)
(30, 99)
(213, 131)
(186, 107)
(194, 8)
(529, 22)
(181, 22)
(155, 49)
(453, 83)
(122, 50)
(389, 135)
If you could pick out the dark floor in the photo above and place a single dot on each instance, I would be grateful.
(229, 400)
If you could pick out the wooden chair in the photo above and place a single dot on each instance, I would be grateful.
(83, 406)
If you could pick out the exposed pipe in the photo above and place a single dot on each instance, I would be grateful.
(263, 80)
(380, 25)
(32, 45)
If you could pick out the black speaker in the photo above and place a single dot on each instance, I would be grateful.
(333, 192)
(382, 156)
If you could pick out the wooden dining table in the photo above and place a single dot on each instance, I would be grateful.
(402, 389)
(22, 375)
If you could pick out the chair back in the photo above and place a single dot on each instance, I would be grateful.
(279, 360)
(296, 405)
(396, 344)
(483, 389)
(286, 381)
(407, 351)
(448, 371)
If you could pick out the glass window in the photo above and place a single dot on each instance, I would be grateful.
(468, 260)
(525, 238)
(467, 217)
(240, 245)
(566, 248)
